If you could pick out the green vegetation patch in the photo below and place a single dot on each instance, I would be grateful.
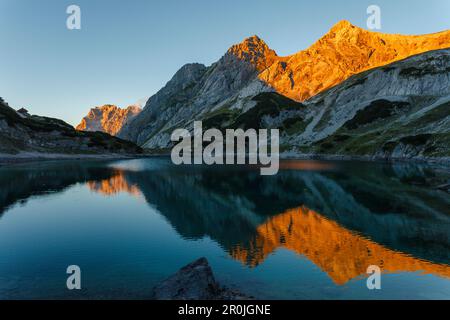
(295, 125)
(268, 104)
(219, 120)
(434, 115)
(417, 140)
(420, 72)
(323, 122)
(377, 110)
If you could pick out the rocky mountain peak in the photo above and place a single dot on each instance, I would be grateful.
(190, 70)
(343, 25)
(251, 44)
(255, 51)
(344, 33)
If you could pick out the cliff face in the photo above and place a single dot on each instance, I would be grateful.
(108, 118)
(229, 87)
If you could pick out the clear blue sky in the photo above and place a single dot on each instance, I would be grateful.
(127, 50)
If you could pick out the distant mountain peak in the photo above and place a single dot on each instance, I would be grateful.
(108, 118)
(104, 108)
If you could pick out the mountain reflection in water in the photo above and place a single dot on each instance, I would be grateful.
(343, 217)
(342, 254)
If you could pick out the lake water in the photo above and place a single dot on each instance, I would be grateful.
(310, 232)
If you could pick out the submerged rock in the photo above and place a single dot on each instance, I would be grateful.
(194, 281)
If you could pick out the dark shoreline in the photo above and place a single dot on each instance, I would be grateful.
(11, 159)
(443, 162)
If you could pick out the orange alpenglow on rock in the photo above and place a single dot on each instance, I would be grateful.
(108, 118)
(342, 254)
(255, 51)
(344, 51)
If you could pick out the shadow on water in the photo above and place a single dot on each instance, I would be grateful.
(341, 216)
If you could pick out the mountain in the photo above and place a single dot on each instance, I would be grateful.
(24, 133)
(229, 88)
(401, 110)
(108, 118)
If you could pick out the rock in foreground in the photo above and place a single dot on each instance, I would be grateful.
(194, 282)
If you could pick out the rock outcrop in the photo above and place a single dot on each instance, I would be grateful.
(194, 282)
(229, 86)
(35, 134)
(108, 118)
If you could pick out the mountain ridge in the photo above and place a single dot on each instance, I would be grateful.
(343, 51)
(227, 88)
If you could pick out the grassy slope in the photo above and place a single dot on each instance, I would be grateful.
(377, 128)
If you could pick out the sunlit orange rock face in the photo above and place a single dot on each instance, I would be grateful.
(342, 254)
(344, 51)
(255, 51)
(108, 118)
(114, 185)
